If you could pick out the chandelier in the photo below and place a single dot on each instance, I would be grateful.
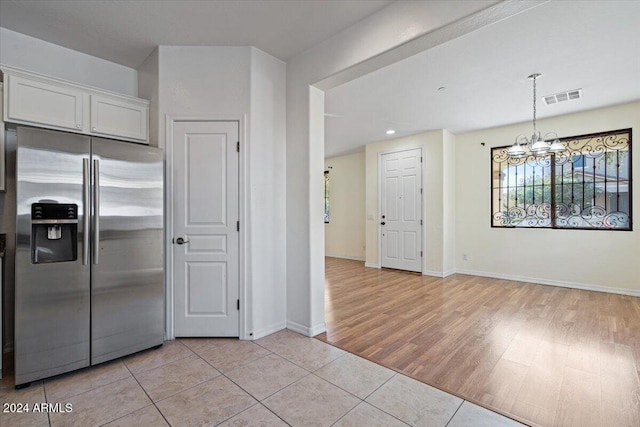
(537, 145)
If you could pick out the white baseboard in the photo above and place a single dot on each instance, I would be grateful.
(296, 327)
(268, 330)
(345, 257)
(438, 273)
(310, 332)
(432, 273)
(317, 329)
(449, 273)
(549, 282)
(366, 264)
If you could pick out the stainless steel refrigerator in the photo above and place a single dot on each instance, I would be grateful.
(89, 251)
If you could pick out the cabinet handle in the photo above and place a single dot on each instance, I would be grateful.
(93, 129)
(78, 126)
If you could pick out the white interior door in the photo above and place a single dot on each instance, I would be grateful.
(205, 233)
(401, 213)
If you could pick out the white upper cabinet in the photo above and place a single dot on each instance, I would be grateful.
(41, 101)
(45, 103)
(115, 118)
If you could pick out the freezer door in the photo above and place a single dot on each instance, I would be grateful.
(51, 298)
(127, 278)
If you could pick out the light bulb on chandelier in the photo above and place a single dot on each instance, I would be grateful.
(537, 145)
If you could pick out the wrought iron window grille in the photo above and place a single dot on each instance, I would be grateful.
(588, 187)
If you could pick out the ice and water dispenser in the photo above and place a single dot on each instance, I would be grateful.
(54, 232)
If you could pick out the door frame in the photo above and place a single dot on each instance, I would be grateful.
(422, 199)
(170, 120)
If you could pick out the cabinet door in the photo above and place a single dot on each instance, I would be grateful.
(118, 118)
(43, 104)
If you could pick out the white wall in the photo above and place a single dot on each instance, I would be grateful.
(448, 202)
(602, 260)
(31, 54)
(394, 33)
(149, 89)
(433, 200)
(344, 234)
(197, 79)
(239, 82)
(266, 166)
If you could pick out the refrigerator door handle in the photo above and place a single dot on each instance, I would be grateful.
(86, 200)
(96, 211)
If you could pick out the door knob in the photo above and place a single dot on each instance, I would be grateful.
(382, 223)
(181, 241)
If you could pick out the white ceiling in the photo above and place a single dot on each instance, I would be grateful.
(593, 45)
(126, 32)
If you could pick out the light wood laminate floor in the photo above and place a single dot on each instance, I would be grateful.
(546, 355)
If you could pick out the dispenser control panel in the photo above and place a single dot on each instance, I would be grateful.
(54, 211)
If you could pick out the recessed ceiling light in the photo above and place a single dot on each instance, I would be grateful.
(390, 132)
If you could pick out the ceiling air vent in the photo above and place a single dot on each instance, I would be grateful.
(562, 96)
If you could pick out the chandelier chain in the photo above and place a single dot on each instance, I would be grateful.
(538, 145)
(535, 130)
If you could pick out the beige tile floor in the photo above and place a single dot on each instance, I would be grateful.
(283, 379)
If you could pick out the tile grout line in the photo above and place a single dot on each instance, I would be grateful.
(86, 369)
(159, 366)
(44, 390)
(279, 417)
(308, 373)
(235, 367)
(147, 394)
(188, 388)
(345, 354)
(454, 414)
(287, 386)
(295, 363)
(305, 376)
(222, 374)
(381, 385)
(259, 402)
(347, 413)
(126, 415)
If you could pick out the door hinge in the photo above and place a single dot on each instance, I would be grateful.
(420, 254)
(420, 222)
(238, 304)
(238, 146)
(420, 159)
(421, 191)
(238, 226)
